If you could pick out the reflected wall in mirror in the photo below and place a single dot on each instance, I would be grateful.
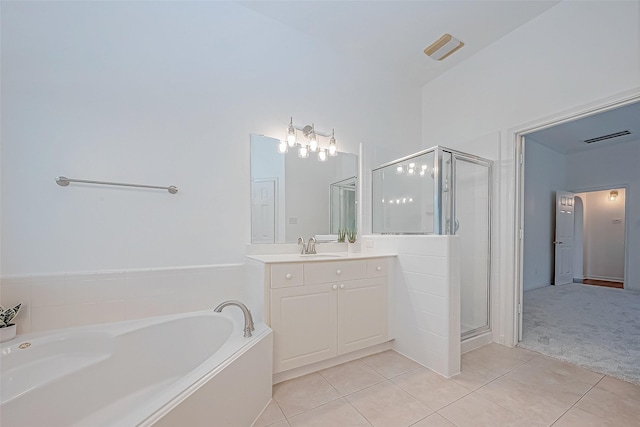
(293, 197)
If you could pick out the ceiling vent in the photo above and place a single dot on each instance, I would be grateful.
(604, 137)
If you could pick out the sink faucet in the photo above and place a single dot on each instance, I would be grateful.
(248, 319)
(311, 246)
(301, 242)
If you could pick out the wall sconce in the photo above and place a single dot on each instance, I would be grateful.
(613, 195)
(312, 144)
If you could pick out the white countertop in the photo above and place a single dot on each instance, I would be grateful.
(329, 256)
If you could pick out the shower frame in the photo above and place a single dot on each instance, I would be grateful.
(446, 210)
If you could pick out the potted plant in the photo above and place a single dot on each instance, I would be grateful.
(8, 329)
(342, 234)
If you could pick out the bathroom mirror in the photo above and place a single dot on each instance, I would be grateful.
(295, 197)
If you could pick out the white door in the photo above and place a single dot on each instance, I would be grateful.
(564, 238)
(263, 211)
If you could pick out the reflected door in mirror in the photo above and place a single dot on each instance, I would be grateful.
(263, 211)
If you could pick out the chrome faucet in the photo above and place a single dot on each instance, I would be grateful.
(248, 319)
(301, 242)
(311, 245)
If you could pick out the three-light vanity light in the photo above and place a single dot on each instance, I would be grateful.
(310, 144)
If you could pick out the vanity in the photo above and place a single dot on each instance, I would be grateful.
(324, 306)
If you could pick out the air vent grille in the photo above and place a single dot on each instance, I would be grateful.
(605, 137)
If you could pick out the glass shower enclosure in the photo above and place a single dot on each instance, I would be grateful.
(443, 191)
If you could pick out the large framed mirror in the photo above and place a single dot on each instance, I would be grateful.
(295, 197)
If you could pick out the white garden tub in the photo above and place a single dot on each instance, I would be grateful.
(189, 369)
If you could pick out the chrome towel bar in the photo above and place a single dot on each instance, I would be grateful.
(64, 181)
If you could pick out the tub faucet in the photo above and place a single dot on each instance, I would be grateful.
(301, 242)
(248, 319)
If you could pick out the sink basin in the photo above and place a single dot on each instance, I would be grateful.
(321, 256)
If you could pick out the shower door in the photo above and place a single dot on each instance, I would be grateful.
(470, 218)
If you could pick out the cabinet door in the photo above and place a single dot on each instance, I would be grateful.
(362, 314)
(304, 323)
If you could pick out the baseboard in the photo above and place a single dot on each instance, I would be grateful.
(476, 342)
(329, 363)
(606, 278)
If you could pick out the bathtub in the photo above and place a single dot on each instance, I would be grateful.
(192, 369)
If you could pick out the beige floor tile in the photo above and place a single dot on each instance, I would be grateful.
(499, 358)
(576, 417)
(536, 407)
(390, 363)
(336, 413)
(271, 414)
(304, 393)
(623, 411)
(351, 376)
(474, 410)
(619, 387)
(556, 379)
(474, 374)
(386, 404)
(432, 389)
(566, 369)
(434, 420)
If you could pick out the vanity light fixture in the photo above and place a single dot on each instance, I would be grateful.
(283, 147)
(333, 150)
(303, 151)
(312, 144)
(443, 47)
(613, 195)
(291, 134)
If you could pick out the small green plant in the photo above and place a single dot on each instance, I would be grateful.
(352, 235)
(7, 315)
(342, 234)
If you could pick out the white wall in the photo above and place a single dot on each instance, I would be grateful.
(559, 61)
(162, 93)
(613, 166)
(544, 174)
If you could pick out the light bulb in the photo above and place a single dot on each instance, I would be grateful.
(313, 143)
(411, 171)
(422, 172)
(322, 155)
(398, 201)
(410, 200)
(303, 151)
(390, 202)
(412, 165)
(404, 200)
(399, 169)
(291, 134)
(333, 149)
(282, 147)
(424, 167)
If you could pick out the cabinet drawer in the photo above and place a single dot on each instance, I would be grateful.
(377, 267)
(324, 272)
(283, 275)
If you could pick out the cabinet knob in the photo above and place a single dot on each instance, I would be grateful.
(378, 268)
(338, 272)
(288, 276)
(342, 286)
(334, 287)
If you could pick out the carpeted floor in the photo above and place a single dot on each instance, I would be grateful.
(590, 326)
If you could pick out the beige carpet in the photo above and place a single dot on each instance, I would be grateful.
(591, 326)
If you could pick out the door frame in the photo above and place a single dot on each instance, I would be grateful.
(517, 136)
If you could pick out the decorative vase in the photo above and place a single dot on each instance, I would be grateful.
(8, 333)
(353, 248)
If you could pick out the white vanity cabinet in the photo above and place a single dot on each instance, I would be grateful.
(322, 309)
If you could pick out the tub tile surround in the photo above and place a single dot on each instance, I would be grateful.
(524, 391)
(77, 299)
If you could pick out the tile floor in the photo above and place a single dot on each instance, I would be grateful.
(498, 386)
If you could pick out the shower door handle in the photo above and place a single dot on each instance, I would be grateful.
(557, 242)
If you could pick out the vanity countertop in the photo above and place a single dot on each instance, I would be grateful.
(330, 256)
